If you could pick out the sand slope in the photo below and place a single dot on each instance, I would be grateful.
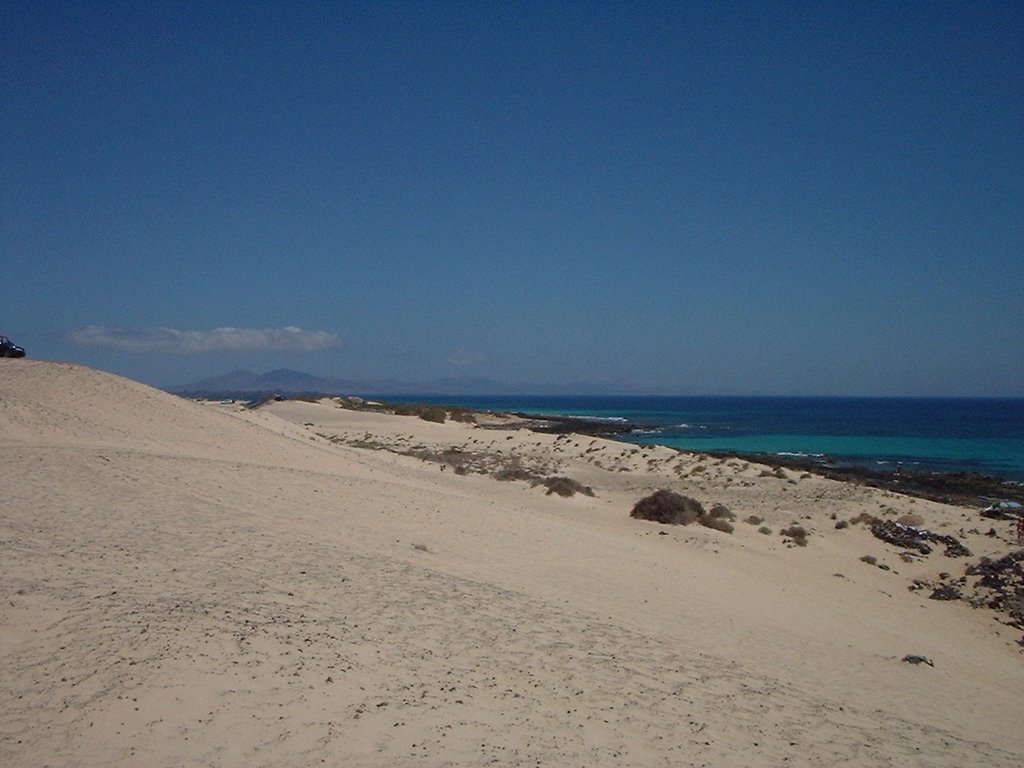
(197, 584)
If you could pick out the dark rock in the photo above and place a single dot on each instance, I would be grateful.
(1002, 510)
(1004, 579)
(962, 488)
(908, 537)
(945, 592)
(913, 659)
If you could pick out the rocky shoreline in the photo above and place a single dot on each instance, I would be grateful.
(960, 488)
(581, 425)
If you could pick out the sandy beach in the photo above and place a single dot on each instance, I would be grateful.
(203, 584)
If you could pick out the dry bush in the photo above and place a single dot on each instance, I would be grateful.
(796, 534)
(565, 486)
(865, 518)
(669, 508)
(721, 511)
(842, 524)
(508, 474)
(436, 415)
(765, 530)
(425, 412)
(718, 523)
(754, 520)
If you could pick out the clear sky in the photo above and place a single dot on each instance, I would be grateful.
(714, 198)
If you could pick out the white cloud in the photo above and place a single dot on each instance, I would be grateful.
(177, 342)
(464, 357)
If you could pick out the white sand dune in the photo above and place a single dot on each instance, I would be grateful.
(192, 584)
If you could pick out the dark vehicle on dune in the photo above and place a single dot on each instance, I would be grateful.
(9, 349)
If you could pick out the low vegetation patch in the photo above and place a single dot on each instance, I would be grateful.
(911, 519)
(509, 474)
(564, 486)
(718, 523)
(671, 508)
(722, 512)
(719, 518)
(796, 534)
(425, 412)
(864, 518)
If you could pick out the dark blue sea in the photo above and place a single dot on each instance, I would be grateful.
(928, 434)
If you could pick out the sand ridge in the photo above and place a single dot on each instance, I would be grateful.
(201, 584)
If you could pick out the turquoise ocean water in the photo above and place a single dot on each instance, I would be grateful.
(929, 434)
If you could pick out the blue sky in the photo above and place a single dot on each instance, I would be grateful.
(719, 198)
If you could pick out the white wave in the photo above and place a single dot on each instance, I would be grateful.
(610, 419)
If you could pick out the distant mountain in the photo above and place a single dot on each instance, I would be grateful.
(287, 382)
